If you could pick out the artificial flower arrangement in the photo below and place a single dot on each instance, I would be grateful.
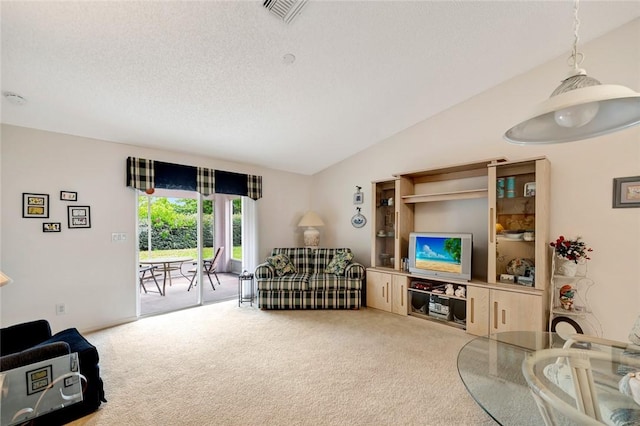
(575, 250)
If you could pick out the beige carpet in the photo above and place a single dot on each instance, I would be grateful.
(224, 365)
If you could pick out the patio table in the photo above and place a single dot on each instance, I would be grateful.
(167, 264)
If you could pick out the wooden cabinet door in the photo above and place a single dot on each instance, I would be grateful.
(378, 290)
(525, 207)
(477, 310)
(515, 312)
(384, 221)
(399, 294)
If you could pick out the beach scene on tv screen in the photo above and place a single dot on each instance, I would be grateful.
(439, 254)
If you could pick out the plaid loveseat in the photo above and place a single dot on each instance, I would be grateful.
(309, 287)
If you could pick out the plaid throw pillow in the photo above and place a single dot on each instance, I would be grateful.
(339, 263)
(282, 264)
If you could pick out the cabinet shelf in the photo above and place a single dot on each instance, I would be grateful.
(440, 320)
(509, 240)
(568, 278)
(572, 313)
(416, 290)
(445, 196)
(447, 309)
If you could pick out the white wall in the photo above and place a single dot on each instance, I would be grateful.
(82, 268)
(581, 181)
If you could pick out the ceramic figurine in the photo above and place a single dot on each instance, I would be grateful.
(449, 289)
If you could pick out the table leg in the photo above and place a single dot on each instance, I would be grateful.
(164, 278)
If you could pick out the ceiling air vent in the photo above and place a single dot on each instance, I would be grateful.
(285, 9)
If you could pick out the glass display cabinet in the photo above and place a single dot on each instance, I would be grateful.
(519, 223)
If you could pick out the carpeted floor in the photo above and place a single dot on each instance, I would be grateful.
(221, 364)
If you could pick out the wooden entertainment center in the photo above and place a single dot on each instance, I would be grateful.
(501, 202)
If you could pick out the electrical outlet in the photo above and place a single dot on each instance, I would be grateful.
(61, 309)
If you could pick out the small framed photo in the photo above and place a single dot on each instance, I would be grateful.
(68, 196)
(358, 198)
(35, 205)
(626, 192)
(79, 216)
(530, 189)
(51, 227)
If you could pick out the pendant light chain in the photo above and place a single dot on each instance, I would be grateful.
(576, 57)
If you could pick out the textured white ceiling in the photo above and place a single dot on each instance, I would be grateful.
(209, 78)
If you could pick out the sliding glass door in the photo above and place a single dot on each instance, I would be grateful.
(168, 250)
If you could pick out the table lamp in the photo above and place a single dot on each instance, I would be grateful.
(311, 234)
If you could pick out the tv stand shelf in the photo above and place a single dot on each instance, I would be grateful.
(428, 300)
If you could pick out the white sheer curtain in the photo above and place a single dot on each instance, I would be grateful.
(249, 234)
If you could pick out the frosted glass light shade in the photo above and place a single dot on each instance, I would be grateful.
(618, 107)
(577, 115)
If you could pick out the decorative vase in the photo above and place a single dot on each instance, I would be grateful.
(566, 303)
(568, 268)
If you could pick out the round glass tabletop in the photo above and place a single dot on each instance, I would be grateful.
(491, 370)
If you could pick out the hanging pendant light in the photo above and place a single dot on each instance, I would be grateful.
(580, 108)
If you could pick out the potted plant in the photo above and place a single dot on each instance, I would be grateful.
(570, 252)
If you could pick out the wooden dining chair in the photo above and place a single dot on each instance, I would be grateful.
(209, 266)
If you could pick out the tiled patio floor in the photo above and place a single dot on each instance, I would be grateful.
(178, 297)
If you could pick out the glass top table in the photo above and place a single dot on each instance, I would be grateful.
(491, 370)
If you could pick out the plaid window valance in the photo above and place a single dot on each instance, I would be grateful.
(140, 173)
(254, 187)
(144, 174)
(205, 181)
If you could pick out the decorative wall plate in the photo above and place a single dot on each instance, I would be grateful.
(358, 220)
(565, 327)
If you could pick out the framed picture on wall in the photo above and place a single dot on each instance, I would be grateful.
(35, 205)
(358, 197)
(68, 196)
(626, 192)
(79, 217)
(51, 227)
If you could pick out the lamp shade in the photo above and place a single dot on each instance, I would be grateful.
(4, 280)
(311, 218)
(612, 108)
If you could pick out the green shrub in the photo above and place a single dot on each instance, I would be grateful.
(180, 235)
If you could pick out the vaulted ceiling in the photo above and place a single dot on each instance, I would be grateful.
(215, 78)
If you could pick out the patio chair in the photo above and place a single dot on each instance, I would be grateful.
(209, 266)
(142, 271)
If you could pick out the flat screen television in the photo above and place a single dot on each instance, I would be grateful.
(441, 255)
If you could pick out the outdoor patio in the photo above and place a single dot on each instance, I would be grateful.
(177, 296)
